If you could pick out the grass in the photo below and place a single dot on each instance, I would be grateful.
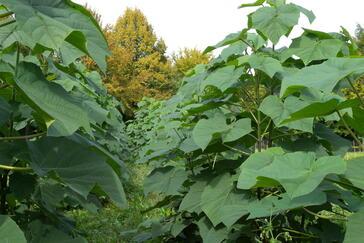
(107, 225)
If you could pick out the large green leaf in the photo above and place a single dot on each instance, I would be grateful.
(268, 65)
(355, 228)
(252, 166)
(310, 50)
(223, 78)
(323, 77)
(355, 172)
(48, 22)
(237, 48)
(50, 98)
(5, 111)
(237, 129)
(206, 129)
(274, 22)
(272, 205)
(299, 173)
(221, 204)
(230, 39)
(209, 233)
(10, 231)
(273, 107)
(336, 144)
(192, 200)
(167, 180)
(77, 166)
(43, 233)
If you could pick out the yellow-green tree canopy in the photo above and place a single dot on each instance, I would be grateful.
(138, 65)
(188, 58)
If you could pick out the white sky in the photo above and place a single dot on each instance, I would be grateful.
(199, 23)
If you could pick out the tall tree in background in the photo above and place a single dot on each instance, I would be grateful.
(138, 65)
(359, 35)
(187, 58)
(358, 85)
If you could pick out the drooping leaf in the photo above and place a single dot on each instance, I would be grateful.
(355, 172)
(205, 129)
(237, 48)
(273, 107)
(5, 111)
(336, 144)
(270, 206)
(220, 203)
(209, 233)
(192, 200)
(355, 228)
(51, 99)
(236, 130)
(223, 78)
(311, 50)
(252, 166)
(48, 23)
(323, 76)
(167, 180)
(268, 65)
(230, 39)
(10, 231)
(43, 233)
(77, 166)
(299, 173)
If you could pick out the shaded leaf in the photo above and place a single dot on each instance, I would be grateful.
(10, 231)
(80, 168)
(167, 180)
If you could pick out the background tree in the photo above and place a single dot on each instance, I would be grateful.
(359, 36)
(188, 58)
(138, 65)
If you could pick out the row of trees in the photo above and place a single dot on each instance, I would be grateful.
(138, 65)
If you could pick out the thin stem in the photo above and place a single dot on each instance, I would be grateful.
(236, 150)
(14, 168)
(248, 109)
(350, 131)
(248, 44)
(22, 137)
(323, 217)
(300, 233)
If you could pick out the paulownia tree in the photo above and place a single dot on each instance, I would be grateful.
(244, 151)
(61, 135)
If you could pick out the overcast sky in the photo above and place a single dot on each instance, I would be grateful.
(199, 23)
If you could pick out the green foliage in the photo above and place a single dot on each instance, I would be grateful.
(115, 224)
(62, 139)
(186, 59)
(245, 151)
